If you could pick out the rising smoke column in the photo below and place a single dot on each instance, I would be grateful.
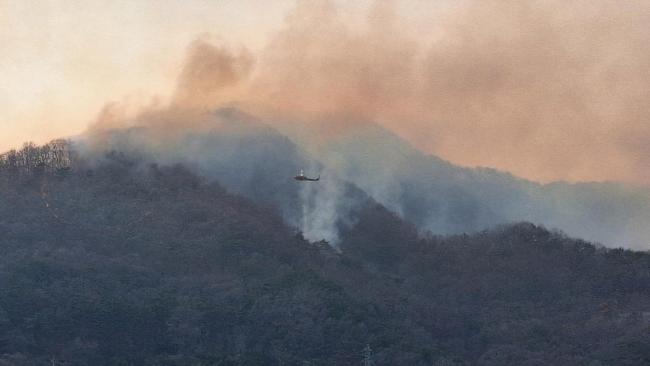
(321, 208)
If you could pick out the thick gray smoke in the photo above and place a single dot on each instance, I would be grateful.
(321, 209)
(248, 156)
(548, 90)
(444, 198)
(538, 87)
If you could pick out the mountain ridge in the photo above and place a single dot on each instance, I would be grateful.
(252, 157)
(127, 261)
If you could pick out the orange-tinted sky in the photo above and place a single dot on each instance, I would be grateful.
(61, 60)
(545, 89)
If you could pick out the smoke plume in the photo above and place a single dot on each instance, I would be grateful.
(545, 89)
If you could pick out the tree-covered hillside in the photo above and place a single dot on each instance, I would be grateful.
(123, 262)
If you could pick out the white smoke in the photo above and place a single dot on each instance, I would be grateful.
(321, 204)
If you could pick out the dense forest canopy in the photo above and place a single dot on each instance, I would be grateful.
(125, 262)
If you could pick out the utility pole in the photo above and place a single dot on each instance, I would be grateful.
(367, 356)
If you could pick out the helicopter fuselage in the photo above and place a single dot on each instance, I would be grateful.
(302, 178)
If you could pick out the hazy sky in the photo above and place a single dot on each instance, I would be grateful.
(546, 89)
(60, 61)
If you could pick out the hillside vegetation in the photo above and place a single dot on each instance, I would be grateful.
(123, 262)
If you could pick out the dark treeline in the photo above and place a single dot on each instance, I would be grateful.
(53, 156)
(128, 263)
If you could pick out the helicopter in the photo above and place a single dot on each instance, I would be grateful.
(301, 177)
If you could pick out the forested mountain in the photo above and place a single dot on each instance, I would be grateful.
(250, 157)
(445, 198)
(121, 261)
